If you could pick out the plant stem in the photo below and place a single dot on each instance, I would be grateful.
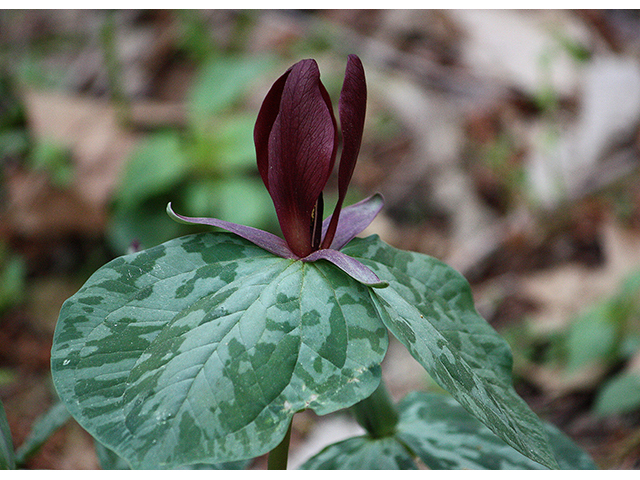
(278, 457)
(113, 67)
(377, 414)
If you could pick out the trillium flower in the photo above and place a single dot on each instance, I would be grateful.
(296, 139)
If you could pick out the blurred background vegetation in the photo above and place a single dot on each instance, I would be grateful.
(506, 143)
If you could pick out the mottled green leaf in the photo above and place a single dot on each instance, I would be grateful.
(42, 429)
(445, 436)
(7, 455)
(363, 453)
(201, 349)
(428, 306)
(110, 460)
(439, 432)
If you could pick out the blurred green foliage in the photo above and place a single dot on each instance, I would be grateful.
(620, 394)
(14, 145)
(547, 99)
(54, 159)
(17, 145)
(14, 137)
(12, 278)
(605, 336)
(208, 169)
(7, 455)
(608, 332)
(194, 39)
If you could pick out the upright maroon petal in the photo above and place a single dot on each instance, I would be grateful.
(352, 109)
(264, 123)
(301, 153)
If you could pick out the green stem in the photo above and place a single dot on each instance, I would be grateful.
(113, 68)
(377, 414)
(278, 457)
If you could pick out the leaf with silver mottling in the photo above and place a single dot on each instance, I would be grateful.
(445, 436)
(428, 306)
(435, 429)
(201, 349)
(363, 453)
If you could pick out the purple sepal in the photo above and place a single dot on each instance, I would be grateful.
(354, 219)
(270, 242)
(348, 265)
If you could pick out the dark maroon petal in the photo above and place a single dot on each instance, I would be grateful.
(354, 219)
(264, 123)
(349, 265)
(302, 149)
(352, 109)
(268, 241)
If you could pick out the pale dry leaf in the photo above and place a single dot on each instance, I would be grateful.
(89, 127)
(565, 291)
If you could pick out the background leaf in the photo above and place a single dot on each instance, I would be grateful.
(234, 143)
(156, 165)
(241, 199)
(201, 349)
(13, 272)
(146, 225)
(221, 82)
(621, 394)
(428, 306)
(594, 337)
(42, 429)
(7, 455)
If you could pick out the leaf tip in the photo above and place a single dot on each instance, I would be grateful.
(173, 215)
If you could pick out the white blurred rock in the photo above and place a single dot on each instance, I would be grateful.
(520, 48)
(332, 429)
(608, 118)
(436, 123)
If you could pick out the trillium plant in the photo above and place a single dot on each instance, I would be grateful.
(197, 353)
